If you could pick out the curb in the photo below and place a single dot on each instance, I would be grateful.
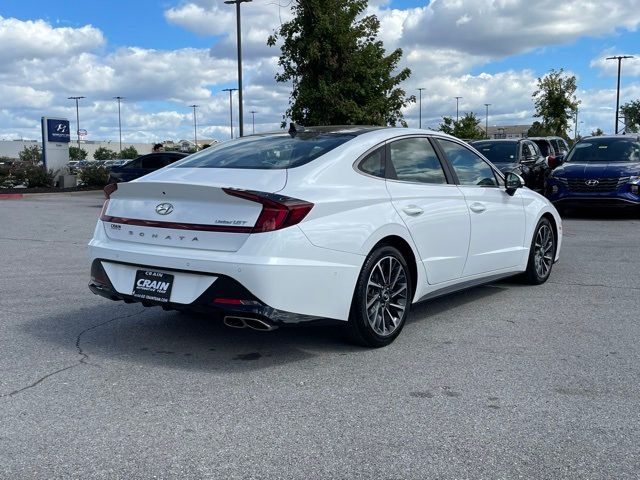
(11, 196)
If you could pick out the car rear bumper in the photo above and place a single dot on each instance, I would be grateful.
(291, 279)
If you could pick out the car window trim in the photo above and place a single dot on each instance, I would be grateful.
(361, 158)
(496, 172)
(389, 166)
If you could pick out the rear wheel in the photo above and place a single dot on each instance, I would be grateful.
(382, 298)
(541, 253)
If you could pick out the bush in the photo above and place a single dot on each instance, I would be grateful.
(129, 152)
(103, 153)
(30, 175)
(94, 175)
(76, 153)
(31, 155)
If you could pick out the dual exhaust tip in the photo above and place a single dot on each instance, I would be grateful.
(245, 322)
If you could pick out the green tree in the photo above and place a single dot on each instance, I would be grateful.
(76, 153)
(129, 152)
(468, 127)
(30, 155)
(555, 101)
(631, 113)
(538, 130)
(340, 72)
(597, 132)
(103, 153)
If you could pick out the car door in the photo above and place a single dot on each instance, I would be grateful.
(431, 206)
(497, 219)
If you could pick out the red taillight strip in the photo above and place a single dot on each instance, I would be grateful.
(174, 225)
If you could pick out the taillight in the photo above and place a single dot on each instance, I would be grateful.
(108, 190)
(277, 211)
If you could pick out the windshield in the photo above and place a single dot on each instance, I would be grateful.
(268, 152)
(606, 150)
(498, 152)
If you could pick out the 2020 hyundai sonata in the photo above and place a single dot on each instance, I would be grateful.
(345, 223)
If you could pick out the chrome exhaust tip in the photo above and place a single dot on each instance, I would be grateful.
(260, 325)
(234, 322)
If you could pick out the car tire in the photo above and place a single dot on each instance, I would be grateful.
(382, 298)
(541, 254)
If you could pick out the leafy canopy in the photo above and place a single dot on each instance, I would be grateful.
(31, 155)
(339, 71)
(129, 152)
(631, 113)
(76, 153)
(555, 101)
(104, 153)
(468, 127)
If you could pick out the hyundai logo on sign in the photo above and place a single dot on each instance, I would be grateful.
(58, 131)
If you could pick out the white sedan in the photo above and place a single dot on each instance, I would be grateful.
(353, 224)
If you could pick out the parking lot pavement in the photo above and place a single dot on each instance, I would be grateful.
(501, 381)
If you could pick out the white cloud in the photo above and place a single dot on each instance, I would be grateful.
(37, 39)
(630, 66)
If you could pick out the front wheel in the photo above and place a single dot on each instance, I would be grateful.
(541, 253)
(382, 298)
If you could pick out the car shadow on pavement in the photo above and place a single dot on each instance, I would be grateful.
(108, 332)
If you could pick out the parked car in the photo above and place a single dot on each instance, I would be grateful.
(546, 147)
(352, 224)
(142, 166)
(519, 156)
(72, 165)
(560, 146)
(599, 171)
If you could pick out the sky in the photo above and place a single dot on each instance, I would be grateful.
(164, 55)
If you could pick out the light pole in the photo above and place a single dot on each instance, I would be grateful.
(619, 58)
(457, 109)
(230, 90)
(420, 109)
(77, 118)
(239, 35)
(119, 99)
(195, 126)
(253, 121)
(486, 121)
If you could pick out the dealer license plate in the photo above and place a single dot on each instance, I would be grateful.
(153, 286)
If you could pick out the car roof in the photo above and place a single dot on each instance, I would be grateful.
(633, 136)
(500, 140)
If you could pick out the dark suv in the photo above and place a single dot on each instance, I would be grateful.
(142, 165)
(518, 155)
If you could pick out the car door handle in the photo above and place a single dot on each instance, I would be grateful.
(477, 207)
(413, 210)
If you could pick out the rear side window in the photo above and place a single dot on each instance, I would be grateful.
(373, 164)
(415, 160)
(268, 152)
(470, 168)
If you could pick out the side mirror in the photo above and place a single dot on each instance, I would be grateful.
(512, 182)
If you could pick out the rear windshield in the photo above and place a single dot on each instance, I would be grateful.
(606, 150)
(268, 152)
(499, 152)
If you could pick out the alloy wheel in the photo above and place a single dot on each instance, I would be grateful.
(543, 251)
(387, 292)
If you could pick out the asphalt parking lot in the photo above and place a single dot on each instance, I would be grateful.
(501, 381)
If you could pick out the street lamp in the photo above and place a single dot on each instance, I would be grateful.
(119, 99)
(253, 120)
(195, 126)
(486, 121)
(457, 109)
(420, 110)
(619, 58)
(239, 35)
(230, 90)
(77, 117)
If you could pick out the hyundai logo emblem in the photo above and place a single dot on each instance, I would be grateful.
(164, 208)
(592, 183)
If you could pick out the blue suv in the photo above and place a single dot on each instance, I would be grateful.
(598, 171)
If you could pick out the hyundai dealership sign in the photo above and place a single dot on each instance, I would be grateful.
(55, 143)
(58, 131)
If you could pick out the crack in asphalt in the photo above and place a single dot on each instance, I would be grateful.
(594, 285)
(82, 361)
(40, 240)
